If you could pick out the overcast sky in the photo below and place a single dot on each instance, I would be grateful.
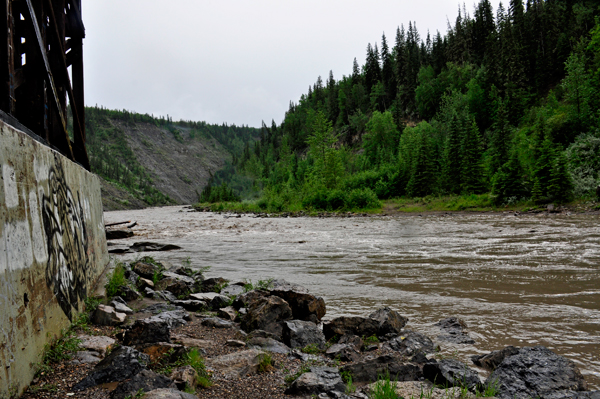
(235, 61)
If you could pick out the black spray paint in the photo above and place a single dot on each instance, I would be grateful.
(67, 243)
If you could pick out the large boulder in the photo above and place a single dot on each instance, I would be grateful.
(96, 343)
(121, 364)
(535, 372)
(144, 381)
(175, 286)
(370, 370)
(214, 284)
(248, 298)
(390, 321)
(410, 343)
(491, 360)
(267, 314)
(299, 333)
(318, 380)
(451, 373)
(454, 331)
(355, 325)
(304, 305)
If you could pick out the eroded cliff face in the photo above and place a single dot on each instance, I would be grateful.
(177, 165)
(179, 169)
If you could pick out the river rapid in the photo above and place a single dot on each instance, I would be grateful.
(520, 280)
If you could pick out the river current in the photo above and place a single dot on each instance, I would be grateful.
(520, 280)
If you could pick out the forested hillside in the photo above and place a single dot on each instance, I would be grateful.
(505, 104)
(155, 160)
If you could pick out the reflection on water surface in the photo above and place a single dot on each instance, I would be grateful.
(515, 280)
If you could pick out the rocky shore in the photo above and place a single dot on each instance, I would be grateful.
(169, 332)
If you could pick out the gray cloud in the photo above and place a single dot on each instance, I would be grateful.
(235, 61)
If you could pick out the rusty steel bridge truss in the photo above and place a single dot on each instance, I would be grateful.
(41, 40)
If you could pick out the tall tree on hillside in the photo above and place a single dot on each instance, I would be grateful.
(372, 68)
(472, 165)
(388, 77)
(327, 168)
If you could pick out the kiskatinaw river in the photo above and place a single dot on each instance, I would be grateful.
(520, 280)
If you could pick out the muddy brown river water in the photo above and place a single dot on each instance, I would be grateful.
(518, 280)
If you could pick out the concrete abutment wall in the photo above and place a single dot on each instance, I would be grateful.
(52, 250)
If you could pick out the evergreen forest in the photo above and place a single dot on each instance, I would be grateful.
(504, 107)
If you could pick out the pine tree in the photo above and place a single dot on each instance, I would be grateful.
(472, 166)
(507, 183)
(560, 188)
(452, 157)
(422, 179)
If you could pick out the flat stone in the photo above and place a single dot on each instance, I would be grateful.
(234, 343)
(343, 352)
(96, 343)
(318, 380)
(237, 364)
(192, 305)
(168, 393)
(193, 342)
(354, 325)
(143, 283)
(86, 357)
(410, 343)
(232, 290)
(204, 296)
(267, 344)
(215, 322)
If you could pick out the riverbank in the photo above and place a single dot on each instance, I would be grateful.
(409, 206)
(172, 333)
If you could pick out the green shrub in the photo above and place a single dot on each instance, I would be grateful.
(266, 363)
(363, 198)
(336, 200)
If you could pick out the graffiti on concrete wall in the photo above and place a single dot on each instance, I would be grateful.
(67, 241)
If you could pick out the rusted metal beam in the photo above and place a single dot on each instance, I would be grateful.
(65, 144)
(81, 153)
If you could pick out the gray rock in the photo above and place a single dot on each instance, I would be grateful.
(234, 343)
(535, 372)
(150, 293)
(145, 380)
(217, 323)
(232, 290)
(267, 314)
(121, 364)
(304, 305)
(86, 357)
(454, 331)
(168, 393)
(267, 344)
(237, 364)
(343, 352)
(191, 304)
(390, 321)
(305, 357)
(177, 276)
(213, 284)
(354, 325)
(167, 296)
(353, 340)
(451, 373)
(156, 328)
(219, 301)
(298, 334)
(117, 234)
(568, 394)
(96, 343)
(370, 370)
(491, 360)
(245, 300)
(145, 270)
(184, 376)
(318, 380)
(410, 343)
(121, 308)
(128, 293)
(227, 313)
(107, 316)
(158, 308)
(143, 283)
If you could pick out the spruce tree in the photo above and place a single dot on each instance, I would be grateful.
(561, 184)
(422, 179)
(472, 166)
(452, 157)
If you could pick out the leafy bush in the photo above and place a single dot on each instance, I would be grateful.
(363, 198)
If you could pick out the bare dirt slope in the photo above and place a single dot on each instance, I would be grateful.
(179, 168)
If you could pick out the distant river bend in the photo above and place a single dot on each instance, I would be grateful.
(515, 280)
